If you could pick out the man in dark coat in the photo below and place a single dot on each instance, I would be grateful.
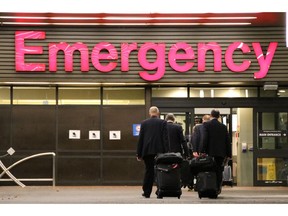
(153, 139)
(197, 135)
(216, 143)
(176, 140)
(197, 141)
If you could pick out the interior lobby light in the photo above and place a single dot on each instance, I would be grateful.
(201, 93)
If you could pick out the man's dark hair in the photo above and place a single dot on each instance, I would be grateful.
(215, 113)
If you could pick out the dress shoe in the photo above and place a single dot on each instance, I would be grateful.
(219, 191)
(156, 192)
(146, 196)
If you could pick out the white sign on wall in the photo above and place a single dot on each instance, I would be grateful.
(94, 135)
(74, 134)
(114, 135)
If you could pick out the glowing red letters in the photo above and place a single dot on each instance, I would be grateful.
(180, 51)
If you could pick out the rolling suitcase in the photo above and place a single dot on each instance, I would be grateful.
(168, 175)
(169, 158)
(202, 163)
(206, 185)
(227, 176)
(186, 175)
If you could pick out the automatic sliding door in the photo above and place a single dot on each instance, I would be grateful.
(271, 153)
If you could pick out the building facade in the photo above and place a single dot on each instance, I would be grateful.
(82, 91)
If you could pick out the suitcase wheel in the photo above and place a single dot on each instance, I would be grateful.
(214, 196)
(159, 197)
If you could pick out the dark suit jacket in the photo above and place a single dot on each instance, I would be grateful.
(176, 140)
(153, 137)
(216, 139)
(197, 137)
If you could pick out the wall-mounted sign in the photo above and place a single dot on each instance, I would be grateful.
(74, 134)
(114, 135)
(136, 129)
(152, 71)
(272, 133)
(94, 135)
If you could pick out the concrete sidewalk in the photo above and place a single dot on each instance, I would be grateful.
(132, 195)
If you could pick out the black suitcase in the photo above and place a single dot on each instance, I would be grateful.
(206, 185)
(202, 163)
(168, 180)
(186, 175)
(168, 158)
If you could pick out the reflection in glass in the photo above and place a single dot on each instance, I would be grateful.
(123, 96)
(272, 169)
(280, 92)
(79, 96)
(34, 95)
(173, 92)
(232, 92)
(4, 95)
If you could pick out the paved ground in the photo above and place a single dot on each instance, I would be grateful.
(127, 200)
(132, 195)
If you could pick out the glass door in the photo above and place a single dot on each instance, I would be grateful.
(181, 118)
(271, 150)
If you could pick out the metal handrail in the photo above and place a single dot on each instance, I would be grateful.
(27, 158)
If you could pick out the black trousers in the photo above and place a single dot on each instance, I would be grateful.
(219, 163)
(148, 182)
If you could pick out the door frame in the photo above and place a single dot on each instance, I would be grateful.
(265, 153)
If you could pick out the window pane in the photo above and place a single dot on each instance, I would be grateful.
(4, 95)
(34, 95)
(80, 96)
(170, 92)
(235, 92)
(272, 169)
(282, 92)
(272, 130)
(268, 93)
(123, 96)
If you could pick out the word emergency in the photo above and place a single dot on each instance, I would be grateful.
(152, 71)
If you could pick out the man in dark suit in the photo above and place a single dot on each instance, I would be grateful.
(153, 139)
(197, 141)
(197, 135)
(216, 143)
(177, 140)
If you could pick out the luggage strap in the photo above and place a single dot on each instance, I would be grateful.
(173, 166)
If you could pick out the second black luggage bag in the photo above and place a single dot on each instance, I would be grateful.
(186, 175)
(206, 185)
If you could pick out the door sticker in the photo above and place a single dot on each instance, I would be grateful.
(74, 134)
(114, 135)
(94, 135)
